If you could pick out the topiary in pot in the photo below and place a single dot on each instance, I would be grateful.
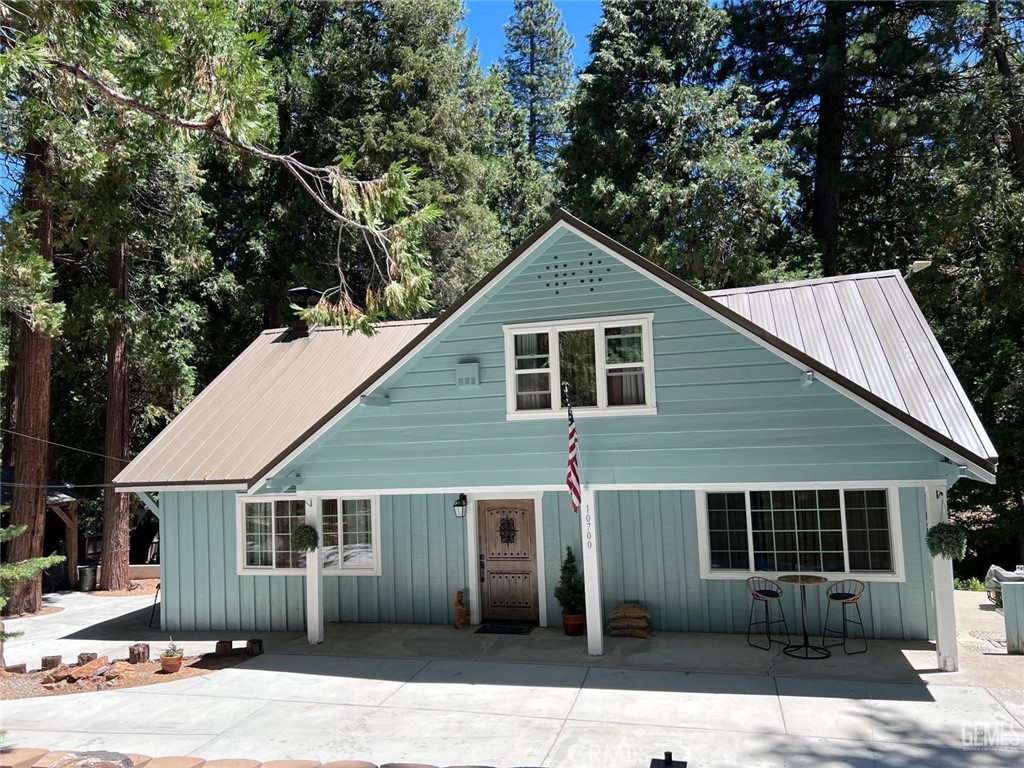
(305, 538)
(170, 659)
(947, 540)
(571, 595)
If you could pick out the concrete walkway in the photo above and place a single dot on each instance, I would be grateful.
(288, 704)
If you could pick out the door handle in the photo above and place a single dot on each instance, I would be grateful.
(482, 569)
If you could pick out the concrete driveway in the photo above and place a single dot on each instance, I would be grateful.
(458, 711)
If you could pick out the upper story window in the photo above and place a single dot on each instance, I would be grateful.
(608, 364)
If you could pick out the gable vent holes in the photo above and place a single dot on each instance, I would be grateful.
(563, 273)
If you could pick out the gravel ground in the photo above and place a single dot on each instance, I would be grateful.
(137, 587)
(23, 686)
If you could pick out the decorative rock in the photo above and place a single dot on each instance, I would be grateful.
(254, 647)
(98, 759)
(407, 765)
(235, 764)
(138, 761)
(16, 669)
(49, 662)
(49, 759)
(291, 764)
(57, 675)
(85, 658)
(21, 758)
(349, 764)
(94, 667)
(176, 762)
(138, 653)
(224, 648)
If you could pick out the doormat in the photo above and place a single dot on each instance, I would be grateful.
(505, 629)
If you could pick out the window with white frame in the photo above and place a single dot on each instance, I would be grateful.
(798, 531)
(268, 526)
(607, 363)
(350, 535)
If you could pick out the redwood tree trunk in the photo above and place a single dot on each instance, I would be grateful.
(116, 510)
(32, 354)
(828, 156)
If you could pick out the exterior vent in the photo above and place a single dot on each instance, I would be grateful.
(467, 375)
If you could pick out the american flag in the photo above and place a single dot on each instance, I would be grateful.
(572, 476)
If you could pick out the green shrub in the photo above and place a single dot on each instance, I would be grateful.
(972, 584)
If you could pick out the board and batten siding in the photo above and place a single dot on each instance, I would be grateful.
(422, 554)
(728, 410)
(649, 554)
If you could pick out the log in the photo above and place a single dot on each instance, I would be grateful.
(138, 653)
(85, 658)
(254, 647)
(49, 662)
(224, 648)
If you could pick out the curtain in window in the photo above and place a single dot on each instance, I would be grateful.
(533, 381)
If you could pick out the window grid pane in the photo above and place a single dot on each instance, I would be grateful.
(577, 360)
(288, 515)
(796, 531)
(259, 542)
(357, 534)
(330, 541)
(867, 527)
(727, 528)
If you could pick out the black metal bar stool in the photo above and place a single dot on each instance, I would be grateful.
(765, 592)
(847, 594)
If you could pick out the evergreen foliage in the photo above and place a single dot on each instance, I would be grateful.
(665, 159)
(538, 69)
(570, 592)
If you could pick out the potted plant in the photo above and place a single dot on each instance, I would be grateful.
(305, 538)
(947, 540)
(170, 659)
(571, 595)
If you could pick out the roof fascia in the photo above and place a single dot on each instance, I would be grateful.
(543, 234)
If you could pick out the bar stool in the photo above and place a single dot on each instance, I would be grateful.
(765, 592)
(846, 593)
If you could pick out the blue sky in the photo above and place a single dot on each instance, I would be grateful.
(485, 20)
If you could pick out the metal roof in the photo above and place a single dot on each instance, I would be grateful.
(863, 333)
(869, 329)
(255, 408)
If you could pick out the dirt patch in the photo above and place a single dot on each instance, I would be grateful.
(46, 610)
(136, 587)
(118, 674)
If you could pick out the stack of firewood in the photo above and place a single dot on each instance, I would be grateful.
(629, 620)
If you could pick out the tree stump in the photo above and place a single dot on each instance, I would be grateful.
(138, 653)
(85, 658)
(49, 662)
(254, 647)
(16, 669)
(224, 648)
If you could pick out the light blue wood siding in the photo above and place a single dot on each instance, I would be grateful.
(728, 409)
(423, 561)
(649, 554)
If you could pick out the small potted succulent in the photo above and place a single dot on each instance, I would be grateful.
(947, 540)
(170, 659)
(571, 595)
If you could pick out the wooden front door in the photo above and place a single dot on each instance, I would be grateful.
(508, 559)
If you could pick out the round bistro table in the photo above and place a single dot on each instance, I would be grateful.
(805, 650)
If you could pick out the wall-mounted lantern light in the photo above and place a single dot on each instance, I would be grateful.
(459, 507)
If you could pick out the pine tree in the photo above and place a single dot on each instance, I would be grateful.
(16, 572)
(538, 67)
(667, 160)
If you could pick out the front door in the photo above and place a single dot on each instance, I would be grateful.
(508, 559)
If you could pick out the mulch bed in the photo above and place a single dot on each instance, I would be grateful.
(116, 674)
(46, 610)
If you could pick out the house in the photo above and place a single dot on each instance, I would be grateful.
(810, 426)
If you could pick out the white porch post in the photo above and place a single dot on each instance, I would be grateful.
(315, 579)
(947, 656)
(592, 572)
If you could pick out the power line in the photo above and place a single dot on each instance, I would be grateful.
(62, 445)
